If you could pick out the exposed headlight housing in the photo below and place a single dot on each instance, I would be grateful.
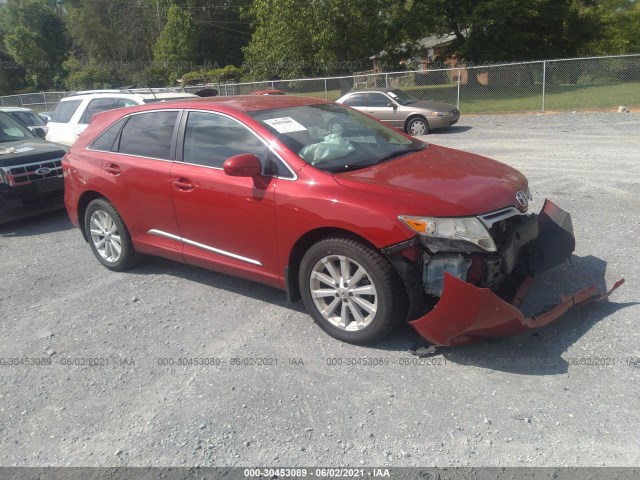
(464, 234)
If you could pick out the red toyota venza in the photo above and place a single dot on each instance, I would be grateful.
(369, 227)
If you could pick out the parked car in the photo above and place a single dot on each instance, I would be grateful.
(46, 116)
(268, 92)
(30, 172)
(28, 118)
(73, 113)
(401, 110)
(370, 227)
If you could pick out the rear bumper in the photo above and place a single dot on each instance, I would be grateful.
(466, 313)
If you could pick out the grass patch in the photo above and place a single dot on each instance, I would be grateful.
(524, 98)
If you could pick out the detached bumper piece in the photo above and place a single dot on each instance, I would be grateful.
(465, 313)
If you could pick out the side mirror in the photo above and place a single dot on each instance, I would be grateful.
(243, 165)
(38, 132)
(392, 105)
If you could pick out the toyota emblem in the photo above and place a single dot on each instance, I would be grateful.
(522, 200)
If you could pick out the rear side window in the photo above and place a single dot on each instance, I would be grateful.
(98, 105)
(149, 135)
(356, 100)
(64, 111)
(105, 142)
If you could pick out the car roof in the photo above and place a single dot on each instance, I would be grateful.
(243, 103)
(90, 94)
(383, 90)
(15, 109)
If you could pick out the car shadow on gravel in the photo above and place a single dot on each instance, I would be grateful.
(449, 131)
(534, 353)
(51, 222)
(538, 352)
(213, 279)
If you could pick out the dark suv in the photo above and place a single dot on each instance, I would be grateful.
(30, 172)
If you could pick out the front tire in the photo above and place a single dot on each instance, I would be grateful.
(351, 291)
(108, 236)
(417, 126)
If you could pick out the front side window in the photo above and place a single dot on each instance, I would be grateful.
(64, 111)
(210, 139)
(334, 138)
(378, 100)
(126, 102)
(149, 134)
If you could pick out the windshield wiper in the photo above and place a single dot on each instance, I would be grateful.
(399, 153)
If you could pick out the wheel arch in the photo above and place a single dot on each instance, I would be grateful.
(411, 117)
(83, 202)
(302, 245)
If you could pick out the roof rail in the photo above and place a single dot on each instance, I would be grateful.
(139, 91)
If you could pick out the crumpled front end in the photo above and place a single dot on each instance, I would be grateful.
(476, 296)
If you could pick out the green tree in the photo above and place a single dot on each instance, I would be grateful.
(34, 36)
(222, 33)
(113, 35)
(176, 48)
(318, 37)
(620, 21)
(503, 30)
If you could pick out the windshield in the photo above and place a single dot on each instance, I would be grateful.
(11, 130)
(334, 138)
(403, 98)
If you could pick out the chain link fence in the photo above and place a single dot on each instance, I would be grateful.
(40, 102)
(571, 84)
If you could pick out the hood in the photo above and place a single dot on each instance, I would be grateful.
(441, 181)
(29, 151)
(430, 105)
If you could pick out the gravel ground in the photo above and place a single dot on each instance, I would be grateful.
(564, 395)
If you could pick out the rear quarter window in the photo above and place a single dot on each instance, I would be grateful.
(64, 111)
(105, 142)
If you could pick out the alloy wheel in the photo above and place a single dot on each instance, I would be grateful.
(343, 292)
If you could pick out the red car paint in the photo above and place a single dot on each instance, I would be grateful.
(264, 218)
(268, 92)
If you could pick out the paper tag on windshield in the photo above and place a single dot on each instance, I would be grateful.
(285, 125)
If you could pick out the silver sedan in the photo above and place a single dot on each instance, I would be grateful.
(399, 109)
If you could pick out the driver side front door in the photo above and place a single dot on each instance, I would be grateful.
(226, 223)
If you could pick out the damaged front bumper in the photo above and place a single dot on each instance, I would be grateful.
(466, 313)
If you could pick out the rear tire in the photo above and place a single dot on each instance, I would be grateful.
(351, 291)
(108, 236)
